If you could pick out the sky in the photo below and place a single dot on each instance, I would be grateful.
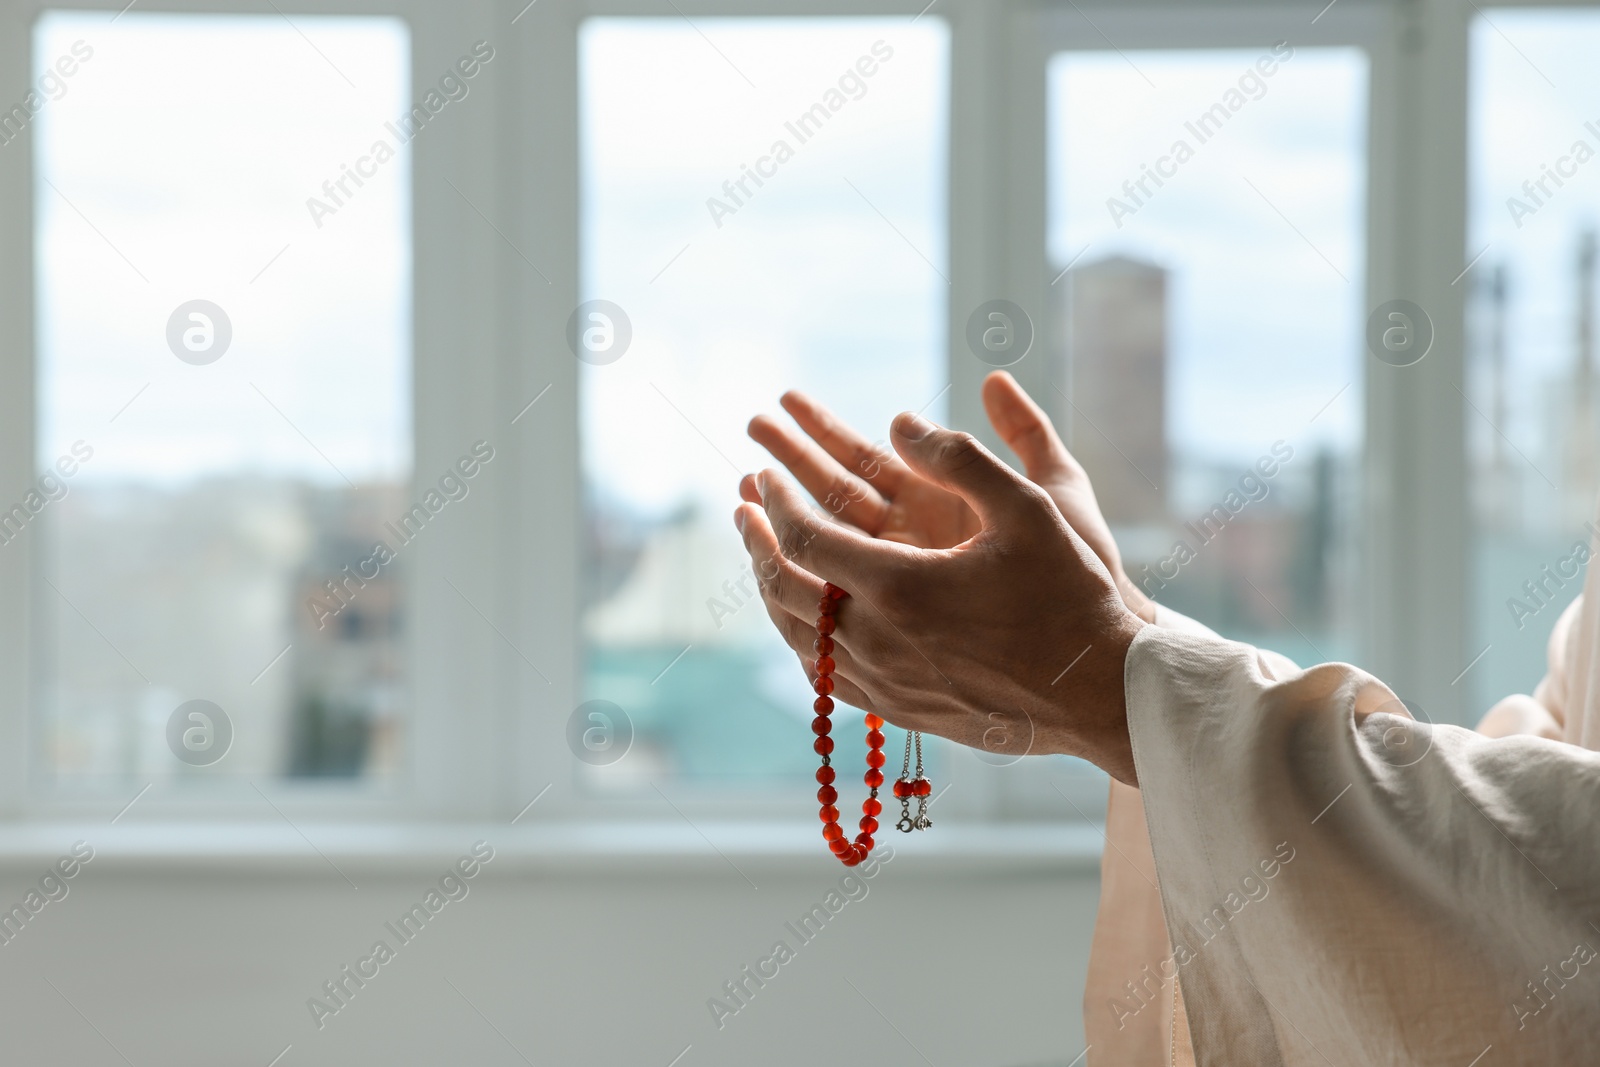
(176, 166)
(834, 268)
(1262, 229)
(829, 277)
(1534, 89)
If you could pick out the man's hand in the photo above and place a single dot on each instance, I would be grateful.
(1018, 622)
(870, 488)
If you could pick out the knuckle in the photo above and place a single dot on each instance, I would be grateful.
(1037, 437)
(792, 541)
(844, 492)
(869, 459)
(1036, 498)
(960, 450)
(767, 569)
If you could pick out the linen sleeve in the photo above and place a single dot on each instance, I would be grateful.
(1544, 714)
(1344, 884)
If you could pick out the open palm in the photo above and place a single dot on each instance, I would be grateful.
(871, 488)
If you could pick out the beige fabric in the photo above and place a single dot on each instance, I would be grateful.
(1130, 999)
(1345, 885)
(1545, 713)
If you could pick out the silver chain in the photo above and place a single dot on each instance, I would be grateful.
(921, 821)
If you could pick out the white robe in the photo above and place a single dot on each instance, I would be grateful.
(1345, 885)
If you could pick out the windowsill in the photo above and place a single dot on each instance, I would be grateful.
(548, 849)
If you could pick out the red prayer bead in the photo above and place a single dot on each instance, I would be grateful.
(902, 788)
(851, 855)
(921, 787)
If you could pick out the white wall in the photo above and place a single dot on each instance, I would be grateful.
(198, 960)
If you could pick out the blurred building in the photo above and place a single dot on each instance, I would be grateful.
(348, 686)
(1498, 496)
(1114, 313)
(1581, 457)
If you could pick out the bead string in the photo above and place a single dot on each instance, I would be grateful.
(852, 853)
(907, 787)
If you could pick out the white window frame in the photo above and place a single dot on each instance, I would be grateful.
(450, 767)
(1416, 569)
(487, 732)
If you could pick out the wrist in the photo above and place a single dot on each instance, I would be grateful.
(1137, 602)
(1091, 716)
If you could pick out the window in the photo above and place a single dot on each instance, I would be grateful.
(1533, 436)
(1206, 243)
(763, 208)
(614, 185)
(224, 398)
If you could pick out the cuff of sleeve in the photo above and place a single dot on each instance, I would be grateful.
(1168, 619)
(1179, 683)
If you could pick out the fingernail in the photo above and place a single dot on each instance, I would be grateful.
(912, 427)
(738, 519)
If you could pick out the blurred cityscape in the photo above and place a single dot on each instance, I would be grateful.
(1533, 436)
(154, 596)
(675, 594)
(1243, 547)
(655, 591)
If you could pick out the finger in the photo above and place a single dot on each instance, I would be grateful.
(855, 453)
(748, 490)
(791, 587)
(841, 494)
(801, 637)
(1024, 427)
(958, 462)
(782, 581)
(826, 549)
(799, 630)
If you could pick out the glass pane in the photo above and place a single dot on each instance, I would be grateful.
(1531, 422)
(766, 204)
(224, 394)
(1206, 232)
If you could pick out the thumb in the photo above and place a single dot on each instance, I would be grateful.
(959, 462)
